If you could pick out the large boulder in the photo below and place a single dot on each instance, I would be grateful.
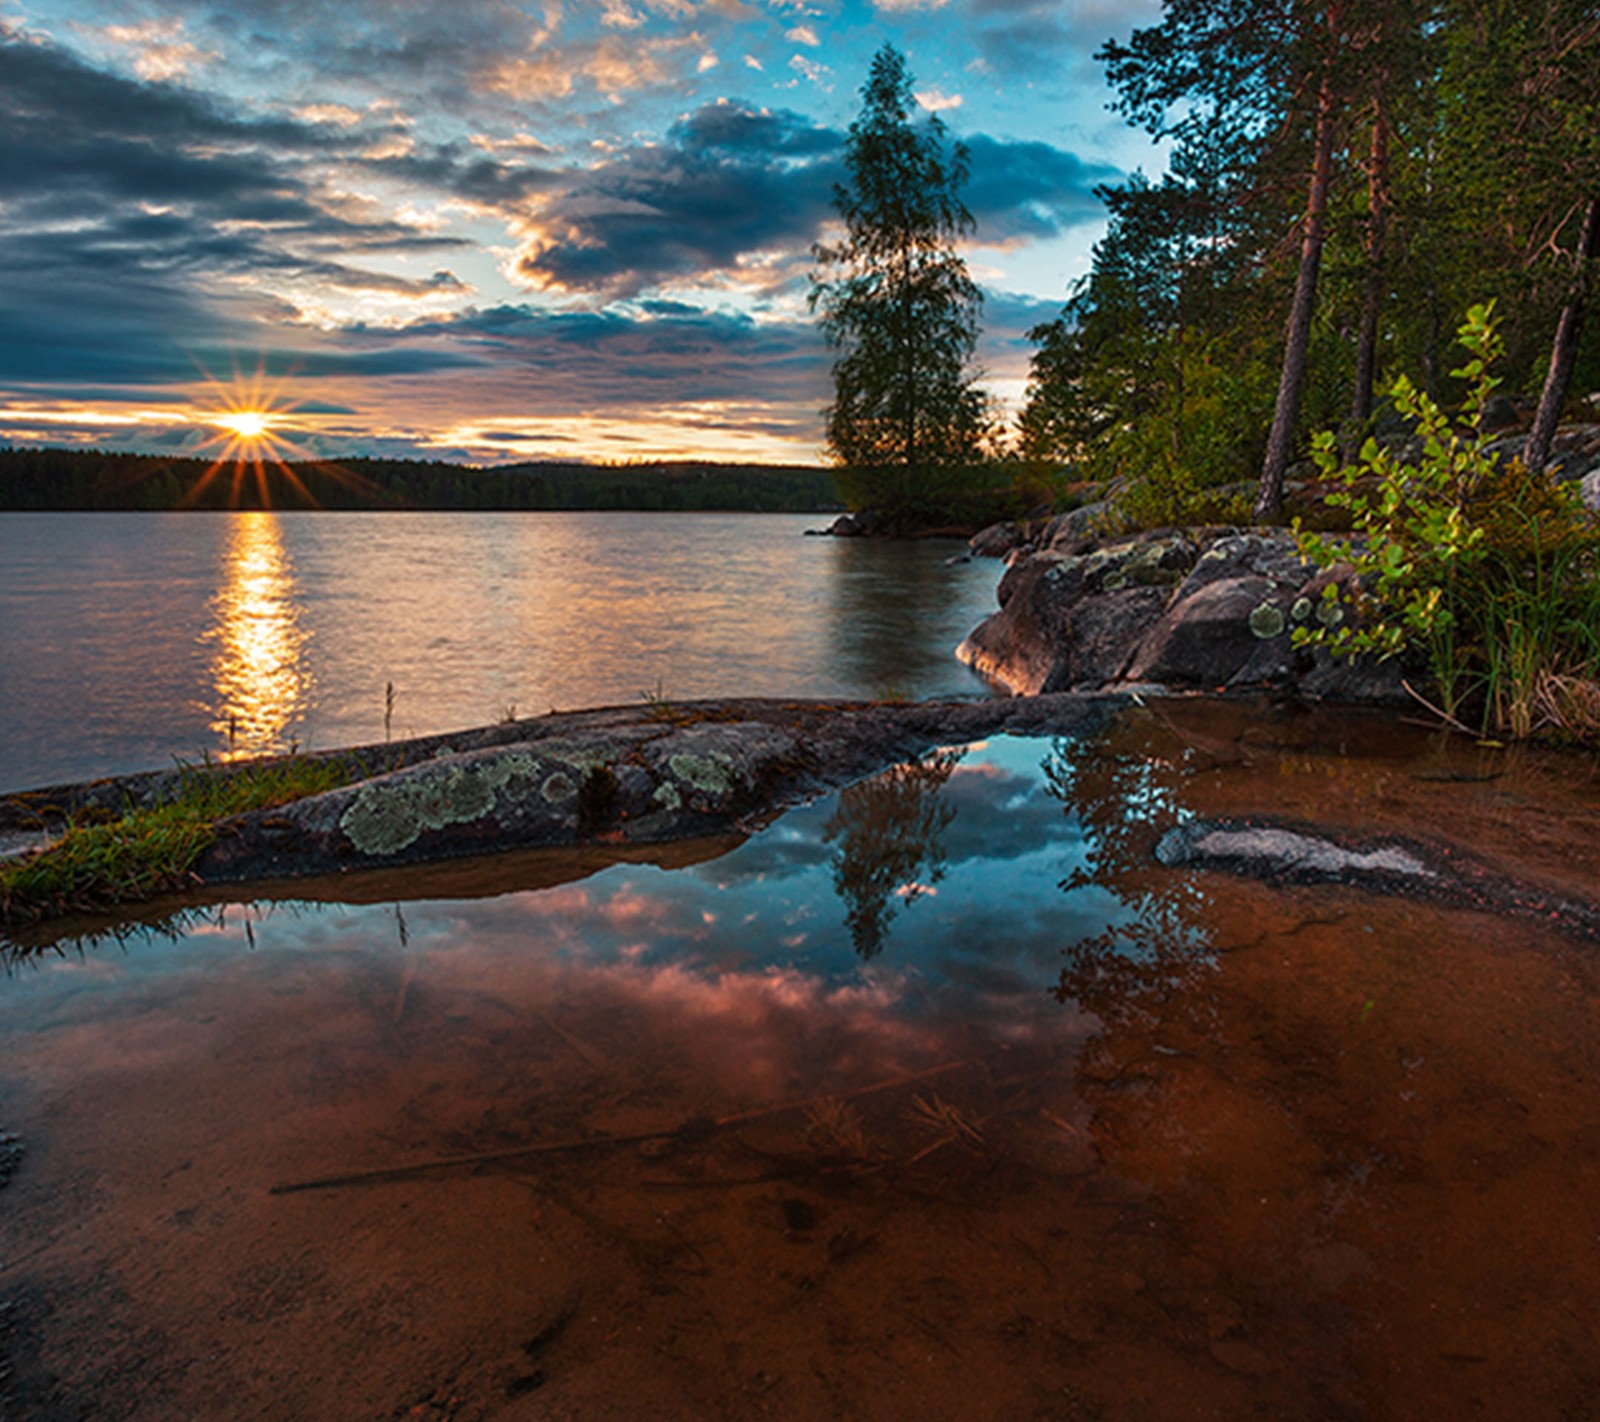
(996, 541)
(1074, 620)
(1206, 609)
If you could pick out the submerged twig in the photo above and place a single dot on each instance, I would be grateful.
(695, 1128)
(1438, 711)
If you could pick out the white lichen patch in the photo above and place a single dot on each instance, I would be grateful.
(500, 771)
(667, 796)
(558, 788)
(389, 815)
(715, 774)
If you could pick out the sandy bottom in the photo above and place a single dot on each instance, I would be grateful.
(1345, 1163)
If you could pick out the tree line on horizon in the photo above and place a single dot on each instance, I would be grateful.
(96, 480)
(1346, 179)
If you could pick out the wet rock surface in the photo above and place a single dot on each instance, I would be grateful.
(617, 777)
(1207, 609)
(1289, 854)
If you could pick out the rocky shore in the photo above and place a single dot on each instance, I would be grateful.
(1209, 609)
(621, 776)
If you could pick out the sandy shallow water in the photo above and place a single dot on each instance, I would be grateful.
(1262, 1152)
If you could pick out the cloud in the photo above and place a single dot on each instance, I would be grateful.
(809, 69)
(1047, 38)
(731, 190)
(738, 195)
(142, 221)
(1031, 190)
(158, 48)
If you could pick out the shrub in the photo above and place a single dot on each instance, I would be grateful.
(1487, 569)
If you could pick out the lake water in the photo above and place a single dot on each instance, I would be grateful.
(940, 1098)
(131, 639)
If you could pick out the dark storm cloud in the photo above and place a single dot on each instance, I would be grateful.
(726, 183)
(731, 183)
(1043, 39)
(80, 143)
(1031, 189)
(67, 128)
(1030, 37)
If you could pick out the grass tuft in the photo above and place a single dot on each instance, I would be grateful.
(150, 851)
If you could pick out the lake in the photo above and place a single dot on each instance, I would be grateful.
(132, 639)
(939, 1098)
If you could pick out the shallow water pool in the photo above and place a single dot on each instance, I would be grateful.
(937, 1098)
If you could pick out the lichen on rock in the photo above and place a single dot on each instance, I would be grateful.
(390, 814)
(558, 788)
(715, 774)
(1266, 620)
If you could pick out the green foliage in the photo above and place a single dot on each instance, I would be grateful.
(1466, 146)
(958, 496)
(149, 851)
(1487, 570)
(896, 301)
(1204, 434)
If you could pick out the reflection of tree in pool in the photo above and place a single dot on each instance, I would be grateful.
(1154, 952)
(890, 833)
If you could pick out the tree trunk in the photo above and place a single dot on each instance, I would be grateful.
(1564, 354)
(1372, 286)
(1297, 341)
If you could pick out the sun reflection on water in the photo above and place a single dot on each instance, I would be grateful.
(262, 683)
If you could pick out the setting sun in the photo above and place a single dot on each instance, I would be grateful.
(244, 424)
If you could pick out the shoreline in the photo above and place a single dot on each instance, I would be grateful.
(610, 777)
(549, 798)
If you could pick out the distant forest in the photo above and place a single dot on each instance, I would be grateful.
(95, 480)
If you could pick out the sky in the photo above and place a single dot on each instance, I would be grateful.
(499, 230)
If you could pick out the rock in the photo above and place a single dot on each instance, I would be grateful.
(1356, 681)
(1574, 451)
(1590, 489)
(1274, 852)
(1203, 608)
(995, 541)
(1074, 621)
(618, 776)
(1067, 532)
(1291, 854)
(1207, 637)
